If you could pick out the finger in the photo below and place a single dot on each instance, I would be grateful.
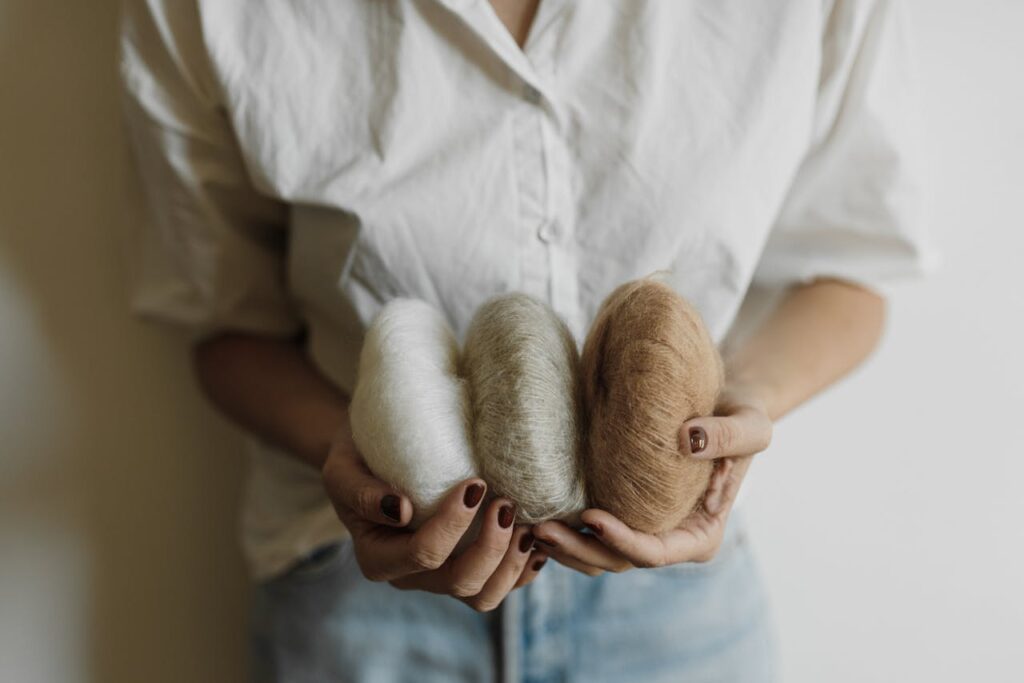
(733, 479)
(355, 492)
(744, 432)
(477, 563)
(695, 539)
(536, 561)
(507, 573)
(585, 549)
(529, 563)
(715, 496)
(437, 538)
(385, 554)
(573, 563)
(640, 549)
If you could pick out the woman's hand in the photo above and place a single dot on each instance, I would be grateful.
(740, 429)
(501, 558)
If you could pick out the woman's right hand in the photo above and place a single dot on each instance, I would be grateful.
(500, 559)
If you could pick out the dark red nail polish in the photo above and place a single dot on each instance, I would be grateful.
(596, 528)
(391, 506)
(538, 564)
(506, 515)
(473, 495)
(526, 542)
(698, 439)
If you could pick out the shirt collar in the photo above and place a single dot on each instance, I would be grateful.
(481, 18)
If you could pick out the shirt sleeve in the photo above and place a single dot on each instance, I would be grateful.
(208, 252)
(853, 209)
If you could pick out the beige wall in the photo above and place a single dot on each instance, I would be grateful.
(888, 514)
(118, 489)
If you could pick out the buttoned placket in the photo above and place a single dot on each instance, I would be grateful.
(537, 639)
(541, 159)
(534, 634)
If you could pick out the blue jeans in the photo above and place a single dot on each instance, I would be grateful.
(324, 622)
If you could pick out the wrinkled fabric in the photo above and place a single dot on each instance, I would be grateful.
(305, 162)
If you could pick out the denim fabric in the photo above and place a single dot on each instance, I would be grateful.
(324, 622)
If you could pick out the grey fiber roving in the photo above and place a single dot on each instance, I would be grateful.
(522, 366)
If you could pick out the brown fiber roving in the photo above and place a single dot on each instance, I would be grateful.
(522, 366)
(648, 365)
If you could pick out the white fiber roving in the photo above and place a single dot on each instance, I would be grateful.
(410, 409)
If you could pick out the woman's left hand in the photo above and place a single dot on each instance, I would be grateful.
(740, 429)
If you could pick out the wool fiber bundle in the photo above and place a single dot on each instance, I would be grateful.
(648, 365)
(409, 411)
(522, 365)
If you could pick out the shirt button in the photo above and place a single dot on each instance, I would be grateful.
(531, 94)
(546, 232)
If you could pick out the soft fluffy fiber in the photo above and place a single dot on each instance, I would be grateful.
(648, 365)
(410, 411)
(522, 365)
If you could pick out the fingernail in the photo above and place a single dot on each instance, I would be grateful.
(473, 495)
(506, 515)
(539, 564)
(698, 439)
(526, 542)
(596, 528)
(391, 506)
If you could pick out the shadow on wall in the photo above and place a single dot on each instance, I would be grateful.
(118, 487)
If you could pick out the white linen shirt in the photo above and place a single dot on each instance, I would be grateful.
(304, 162)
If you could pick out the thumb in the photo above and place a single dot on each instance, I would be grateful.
(356, 492)
(745, 431)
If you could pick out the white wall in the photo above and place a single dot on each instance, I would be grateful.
(888, 514)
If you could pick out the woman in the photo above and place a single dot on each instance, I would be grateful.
(306, 162)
